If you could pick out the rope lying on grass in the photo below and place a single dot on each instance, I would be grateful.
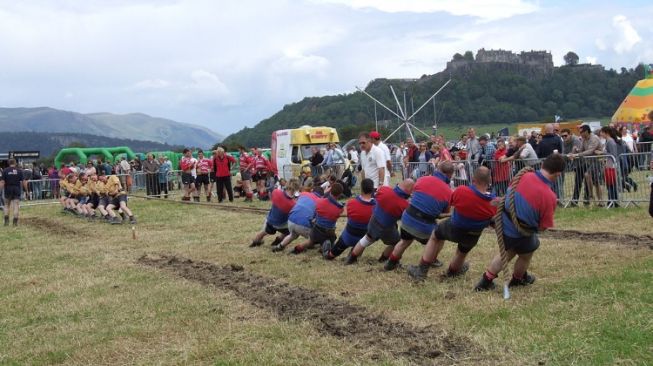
(498, 225)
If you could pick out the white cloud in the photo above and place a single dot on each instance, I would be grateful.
(488, 10)
(591, 60)
(628, 36)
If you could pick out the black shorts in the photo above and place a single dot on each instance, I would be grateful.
(405, 235)
(104, 201)
(94, 200)
(117, 199)
(260, 176)
(271, 230)
(187, 178)
(523, 245)
(212, 178)
(245, 175)
(202, 179)
(83, 200)
(388, 234)
(466, 240)
(320, 234)
(12, 193)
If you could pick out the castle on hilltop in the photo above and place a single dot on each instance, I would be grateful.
(540, 60)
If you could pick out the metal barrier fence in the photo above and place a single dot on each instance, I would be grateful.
(602, 180)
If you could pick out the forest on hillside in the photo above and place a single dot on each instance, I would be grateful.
(483, 94)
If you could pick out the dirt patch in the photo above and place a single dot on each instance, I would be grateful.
(49, 226)
(644, 241)
(371, 333)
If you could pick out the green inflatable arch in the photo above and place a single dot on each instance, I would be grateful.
(107, 153)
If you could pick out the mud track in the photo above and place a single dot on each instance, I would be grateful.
(643, 241)
(49, 226)
(371, 333)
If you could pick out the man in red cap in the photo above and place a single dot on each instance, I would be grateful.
(376, 140)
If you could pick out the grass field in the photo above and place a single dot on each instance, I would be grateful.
(74, 292)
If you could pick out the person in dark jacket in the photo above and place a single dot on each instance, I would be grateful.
(316, 161)
(550, 142)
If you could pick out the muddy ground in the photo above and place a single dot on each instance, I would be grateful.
(373, 334)
(644, 241)
(49, 226)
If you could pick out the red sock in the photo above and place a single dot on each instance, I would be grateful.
(394, 258)
(489, 275)
(299, 248)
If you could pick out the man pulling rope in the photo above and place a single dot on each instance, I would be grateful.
(530, 204)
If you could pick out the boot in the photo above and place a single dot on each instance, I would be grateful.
(256, 243)
(351, 259)
(276, 241)
(6, 220)
(208, 198)
(196, 199)
(528, 279)
(277, 248)
(484, 284)
(419, 273)
(460, 272)
(391, 264)
(15, 221)
(326, 249)
(132, 220)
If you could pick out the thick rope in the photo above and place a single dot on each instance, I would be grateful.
(512, 213)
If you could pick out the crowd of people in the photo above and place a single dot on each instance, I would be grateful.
(596, 159)
(415, 210)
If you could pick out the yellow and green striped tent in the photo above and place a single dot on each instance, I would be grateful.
(638, 105)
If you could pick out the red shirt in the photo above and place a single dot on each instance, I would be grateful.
(500, 171)
(245, 160)
(187, 164)
(203, 166)
(261, 164)
(473, 209)
(221, 164)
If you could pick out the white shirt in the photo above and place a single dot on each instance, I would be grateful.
(528, 154)
(388, 157)
(354, 156)
(629, 142)
(371, 162)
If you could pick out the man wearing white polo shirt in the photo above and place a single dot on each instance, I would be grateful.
(372, 160)
(376, 140)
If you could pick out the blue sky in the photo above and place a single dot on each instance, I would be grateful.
(229, 64)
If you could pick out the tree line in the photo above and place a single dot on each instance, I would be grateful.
(482, 94)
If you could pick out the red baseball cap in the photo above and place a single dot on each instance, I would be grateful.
(375, 135)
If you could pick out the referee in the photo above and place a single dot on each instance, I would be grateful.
(11, 179)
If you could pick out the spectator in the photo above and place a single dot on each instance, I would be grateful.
(165, 166)
(316, 161)
(372, 159)
(550, 143)
(589, 145)
(376, 139)
(525, 153)
(37, 184)
(487, 150)
(421, 166)
(222, 163)
(610, 136)
(473, 147)
(533, 139)
(27, 176)
(53, 176)
(151, 169)
(500, 171)
(352, 155)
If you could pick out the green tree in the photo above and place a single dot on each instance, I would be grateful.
(571, 58)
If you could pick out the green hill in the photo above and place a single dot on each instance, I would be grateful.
(136, 126)
(495, 87)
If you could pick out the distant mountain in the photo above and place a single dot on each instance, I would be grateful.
(495, 86)
(49, 143)
(135, 126)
